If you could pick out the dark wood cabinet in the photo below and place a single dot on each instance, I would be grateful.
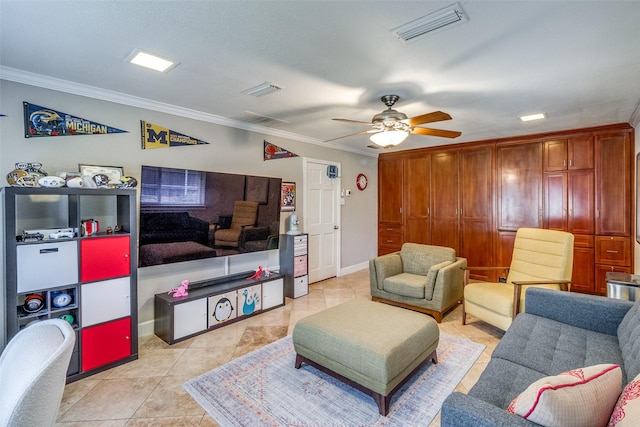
(445, 228)
(476, 208)
(473, 197)
(417, 198)
(390, 186)
(519, 175)
(613, 184)
(568, 153)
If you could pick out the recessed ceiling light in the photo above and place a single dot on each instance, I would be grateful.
(152, 61)
(530, 117)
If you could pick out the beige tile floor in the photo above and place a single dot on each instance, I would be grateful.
(147, 392)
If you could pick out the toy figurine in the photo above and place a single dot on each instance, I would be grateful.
(257, 274)
(180, 291)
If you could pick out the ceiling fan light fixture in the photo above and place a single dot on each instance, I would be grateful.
(389, 137)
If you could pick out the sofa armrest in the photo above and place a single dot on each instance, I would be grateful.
(461, 410)
(198, 224)
(594, 313)
(449, 283)
(382, 267)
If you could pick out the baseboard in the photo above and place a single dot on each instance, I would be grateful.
(145, 328)
(354, 268)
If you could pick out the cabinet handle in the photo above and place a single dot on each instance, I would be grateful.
(570, 162)
(389, 241)
(48, 250)
(609, 251)
(127, 337)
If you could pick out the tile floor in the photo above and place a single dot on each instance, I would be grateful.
(147, 392)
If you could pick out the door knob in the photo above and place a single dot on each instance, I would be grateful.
(335, 227)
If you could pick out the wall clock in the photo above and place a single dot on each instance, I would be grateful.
(361, 181)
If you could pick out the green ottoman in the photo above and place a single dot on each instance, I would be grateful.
(371, 346)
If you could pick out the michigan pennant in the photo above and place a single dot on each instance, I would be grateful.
(272, 151)
(40, 121)
(154, 136)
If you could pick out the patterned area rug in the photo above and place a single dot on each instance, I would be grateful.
(263, 388)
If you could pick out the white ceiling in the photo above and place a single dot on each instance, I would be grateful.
(577, 61)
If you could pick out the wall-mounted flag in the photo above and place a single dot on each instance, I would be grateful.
(154, 136)
(272, 151)
(41, 121)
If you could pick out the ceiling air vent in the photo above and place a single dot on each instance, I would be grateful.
(443, 18)
(259, 119)
(262, 89)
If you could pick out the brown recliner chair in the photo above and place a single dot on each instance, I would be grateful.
(245, 215)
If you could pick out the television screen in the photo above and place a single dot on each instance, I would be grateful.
(189, 214)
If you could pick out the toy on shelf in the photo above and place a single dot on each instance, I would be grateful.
(180, 291)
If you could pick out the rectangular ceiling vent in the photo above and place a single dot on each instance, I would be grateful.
(259, 119)
(444, 18)
(262, 89)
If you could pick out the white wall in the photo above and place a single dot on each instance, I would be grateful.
(229, 150)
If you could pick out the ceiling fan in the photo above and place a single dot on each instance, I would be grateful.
(391, 127)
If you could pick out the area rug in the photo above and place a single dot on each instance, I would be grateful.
(263, 388)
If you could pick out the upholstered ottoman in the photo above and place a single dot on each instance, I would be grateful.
(371, 346)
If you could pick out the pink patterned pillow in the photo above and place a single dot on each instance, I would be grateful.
(581, 397)
(627, 410)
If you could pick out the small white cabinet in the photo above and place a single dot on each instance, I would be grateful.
(294, 264)
(105, 300)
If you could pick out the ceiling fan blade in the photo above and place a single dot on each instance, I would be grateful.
(436, 116)
(353, 121)
(354, 134)
(436, 132)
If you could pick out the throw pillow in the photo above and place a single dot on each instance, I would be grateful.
(627, 410)
(580, 397)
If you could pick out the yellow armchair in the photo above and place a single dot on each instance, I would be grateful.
(540, 258)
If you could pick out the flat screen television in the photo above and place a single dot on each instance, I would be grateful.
(189, 214)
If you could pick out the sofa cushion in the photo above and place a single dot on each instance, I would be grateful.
(503, 380)
(551, 347)
(627, 410)
(417, 259)
(629, 338)
(406, 285)
(165, 221)
(581, 397)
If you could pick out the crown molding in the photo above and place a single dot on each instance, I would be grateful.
(46, 82)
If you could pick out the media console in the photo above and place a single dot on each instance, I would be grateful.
(215, 303)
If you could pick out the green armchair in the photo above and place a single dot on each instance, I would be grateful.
(419, 277)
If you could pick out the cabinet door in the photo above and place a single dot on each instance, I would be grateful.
(106, 343)
(222, 308)
(45, 265)
(417, 178)
(272, 293)
(555, 201)
(476, 205)
(555, 155)
(250, 300)
(580, 152)
(613, 184)
(189, 318)
(581, 199)
(583, 270)
(444, 200)
(390, 190)
(104, 258)
(104, 301)
(519, 177)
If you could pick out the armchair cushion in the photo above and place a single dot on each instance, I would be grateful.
(406, 284)
(418, 259)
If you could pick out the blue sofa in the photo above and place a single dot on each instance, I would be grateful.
(559, 331)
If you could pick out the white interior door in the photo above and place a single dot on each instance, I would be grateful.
(321, 219)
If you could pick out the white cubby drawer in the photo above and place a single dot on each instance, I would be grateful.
(46, 265)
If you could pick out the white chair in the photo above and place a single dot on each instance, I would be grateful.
(33, 370)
